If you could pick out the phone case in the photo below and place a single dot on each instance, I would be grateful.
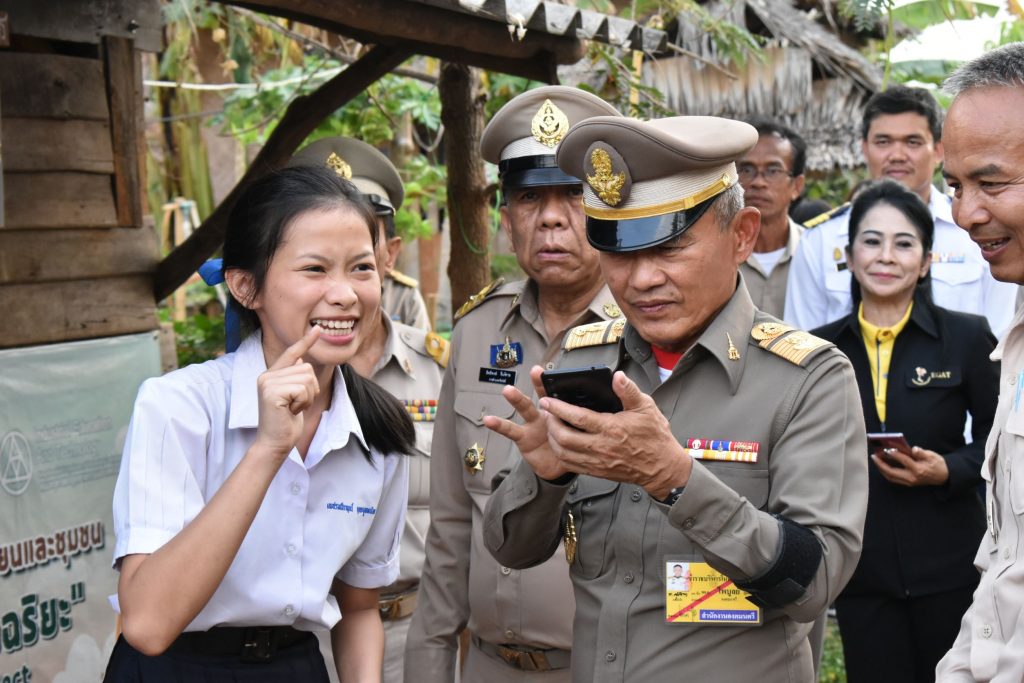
(585, 387)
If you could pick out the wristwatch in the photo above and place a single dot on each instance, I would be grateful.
(672, 496)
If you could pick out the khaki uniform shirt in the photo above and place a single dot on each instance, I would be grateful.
(811, 469)
(990, 645)
(768, 292)
(403, 302)
(407, 371)
(462, 584)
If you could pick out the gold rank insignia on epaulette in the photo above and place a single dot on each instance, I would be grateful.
(403, 279)
(478, 298)
(789, 343)
(604, 332)
(828, 215)
(437, 348)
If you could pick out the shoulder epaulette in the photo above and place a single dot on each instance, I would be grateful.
(794, 345)
(827, 216)
(403, 279)
(438, 348)
(478, 298)
(604, 332)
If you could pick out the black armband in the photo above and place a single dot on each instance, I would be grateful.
(785, 581)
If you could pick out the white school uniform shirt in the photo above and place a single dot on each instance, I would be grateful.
(818, 290)
(333, 515)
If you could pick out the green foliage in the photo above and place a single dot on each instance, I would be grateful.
(833, 668)
(506, 266)
(198, 338)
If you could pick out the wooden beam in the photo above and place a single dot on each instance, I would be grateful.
(58, 200)
(52, 86)
(124, 93)
(79, 309)
(301, 118)
(54, 145)
(80, 21)
(433, 31)
(34, 256)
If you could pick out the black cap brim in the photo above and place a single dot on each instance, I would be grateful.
(642, 233)
(533, 171)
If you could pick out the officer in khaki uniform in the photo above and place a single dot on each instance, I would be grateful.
(407, 362)
(401, 296)
(520, 621)
(740, 451)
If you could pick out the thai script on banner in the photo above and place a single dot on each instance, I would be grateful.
(62, 545)
(38, 619)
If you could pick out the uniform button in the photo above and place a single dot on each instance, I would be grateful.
(609, 656)
(573, 487)
(1012, 380)
(688, 523)
(636, 496)
(289, 610)
(628, 578)
(588, 503)
(1006, 553)
(296, 489)
(290, 548)
(506, 571)
(549, 366)
(510, 633)
(529, 489)
(986, 631)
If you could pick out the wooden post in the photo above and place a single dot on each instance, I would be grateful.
(462, 114)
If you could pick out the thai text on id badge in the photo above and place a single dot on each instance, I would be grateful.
(697, 594)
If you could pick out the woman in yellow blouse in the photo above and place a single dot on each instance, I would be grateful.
(921, 370)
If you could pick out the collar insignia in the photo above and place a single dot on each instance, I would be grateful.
(549, 125)
(339, 166)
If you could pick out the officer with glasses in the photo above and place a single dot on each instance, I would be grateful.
(772, 176)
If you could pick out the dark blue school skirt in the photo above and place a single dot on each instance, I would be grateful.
(226, 654)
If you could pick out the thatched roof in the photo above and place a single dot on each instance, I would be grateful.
(807, 79)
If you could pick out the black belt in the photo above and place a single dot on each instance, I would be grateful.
(524, 658)
(253, 643)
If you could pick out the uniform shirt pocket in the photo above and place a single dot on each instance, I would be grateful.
(592, 505)
(471, 407)
(954, 274)
(1011, 445)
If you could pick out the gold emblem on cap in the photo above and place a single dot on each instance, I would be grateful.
(605, 182)
(474, 459)
(549, 125)
(339, 166)
(611, 310)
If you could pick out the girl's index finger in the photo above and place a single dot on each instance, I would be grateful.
(294, 352)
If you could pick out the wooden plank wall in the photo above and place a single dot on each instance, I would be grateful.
(75, 261)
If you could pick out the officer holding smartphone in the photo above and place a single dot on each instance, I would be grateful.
(740, 452)
(520, 621)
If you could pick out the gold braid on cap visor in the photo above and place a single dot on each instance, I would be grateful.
(681, 204)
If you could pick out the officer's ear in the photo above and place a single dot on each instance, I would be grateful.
(745, 226)
(393, 247)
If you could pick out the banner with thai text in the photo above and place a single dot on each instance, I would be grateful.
(64, 411)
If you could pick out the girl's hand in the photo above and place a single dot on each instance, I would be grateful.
(287, 388)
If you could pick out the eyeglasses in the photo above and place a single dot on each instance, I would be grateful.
(773, 174)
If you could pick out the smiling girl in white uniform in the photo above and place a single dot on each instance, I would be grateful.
(261, 495)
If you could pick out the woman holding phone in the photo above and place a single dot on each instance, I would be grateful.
(261, 495)
(921, 370)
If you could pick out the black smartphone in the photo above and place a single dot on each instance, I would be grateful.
(585, 387)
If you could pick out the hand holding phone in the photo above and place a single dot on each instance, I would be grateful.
(585, 387)
(880, 442)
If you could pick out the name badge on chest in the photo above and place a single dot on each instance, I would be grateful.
(697, 594)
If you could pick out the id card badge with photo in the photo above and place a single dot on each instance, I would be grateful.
(697, 594)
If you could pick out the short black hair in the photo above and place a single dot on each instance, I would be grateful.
(899, 99)
(799, 145)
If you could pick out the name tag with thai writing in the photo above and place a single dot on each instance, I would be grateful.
(697, 594)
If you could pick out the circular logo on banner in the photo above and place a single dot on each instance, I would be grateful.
(15, 463)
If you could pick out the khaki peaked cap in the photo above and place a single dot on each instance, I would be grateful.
(523, 136)
(634, 171)
(370, 171)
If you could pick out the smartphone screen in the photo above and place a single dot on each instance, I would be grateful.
(585, 387)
